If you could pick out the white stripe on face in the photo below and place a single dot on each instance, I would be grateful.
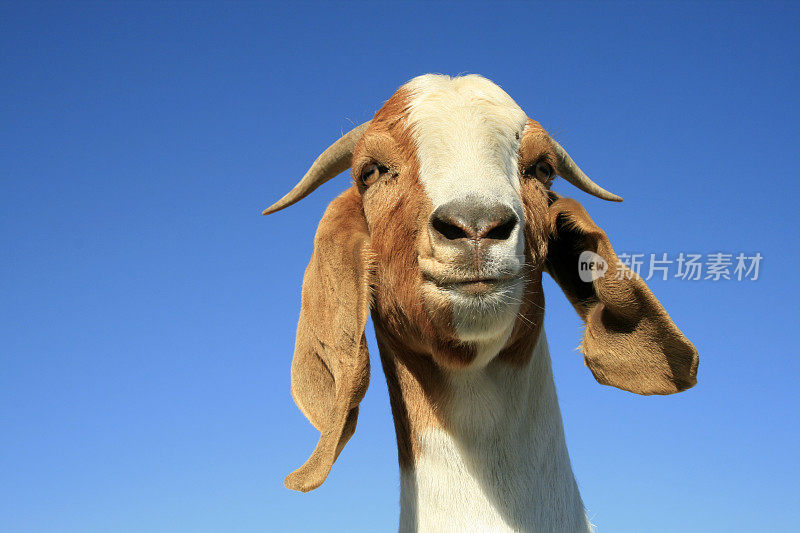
(467, 132)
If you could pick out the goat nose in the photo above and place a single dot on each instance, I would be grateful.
(474, 220)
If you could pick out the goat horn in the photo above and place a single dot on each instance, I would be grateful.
(568, 170)
(333, 161)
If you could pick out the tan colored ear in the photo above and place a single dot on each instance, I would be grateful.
(629, 342)
(330, 369)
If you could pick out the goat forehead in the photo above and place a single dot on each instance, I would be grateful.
(467, 133)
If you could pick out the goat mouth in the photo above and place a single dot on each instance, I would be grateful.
(479, 286)
(474, 286)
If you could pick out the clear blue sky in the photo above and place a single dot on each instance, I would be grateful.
(148, 310)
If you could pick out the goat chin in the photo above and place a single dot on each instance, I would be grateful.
(486, 317)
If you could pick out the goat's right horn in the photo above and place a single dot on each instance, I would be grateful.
(333, 161)
(571, 172)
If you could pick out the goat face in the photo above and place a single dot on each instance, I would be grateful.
(453, 178)
(444, 236)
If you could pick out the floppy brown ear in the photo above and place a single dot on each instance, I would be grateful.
(330, 369)
(629, 342)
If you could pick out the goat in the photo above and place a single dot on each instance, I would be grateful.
(443, 238)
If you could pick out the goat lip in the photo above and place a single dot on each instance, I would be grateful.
(472, 286)
(477, 286)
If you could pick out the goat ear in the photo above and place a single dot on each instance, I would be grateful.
(629, 342)
(330, 369)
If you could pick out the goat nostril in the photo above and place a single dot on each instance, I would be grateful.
(503, 230)
(474, 220)
(450, 231)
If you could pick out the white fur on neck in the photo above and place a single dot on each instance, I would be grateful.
(503, 464)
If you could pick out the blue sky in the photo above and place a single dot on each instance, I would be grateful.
(148, 310)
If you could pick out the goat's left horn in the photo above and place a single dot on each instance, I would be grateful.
(333, 161)
(568, 170)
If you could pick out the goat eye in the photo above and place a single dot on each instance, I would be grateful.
(541, 170)
(544, 171)
(371, 173)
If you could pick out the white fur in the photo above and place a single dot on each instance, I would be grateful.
(467, 133)
(503, 464)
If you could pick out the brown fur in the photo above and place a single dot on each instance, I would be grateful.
(630, 342)
(330, 369)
